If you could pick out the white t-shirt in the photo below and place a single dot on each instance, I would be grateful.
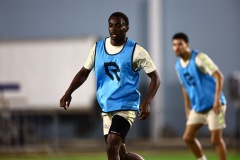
(141, 58)
(203, 62)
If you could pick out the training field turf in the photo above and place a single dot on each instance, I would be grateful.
(148, 155)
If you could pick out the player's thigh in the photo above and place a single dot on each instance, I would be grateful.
(107, 119)
(130, 116)
(216, 136)
(194, 123)
(216, 121)
(191, 131)
(196, 118)
(114, 140)
(120, 126)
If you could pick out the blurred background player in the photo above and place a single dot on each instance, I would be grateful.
(202, 84)
(117, 61)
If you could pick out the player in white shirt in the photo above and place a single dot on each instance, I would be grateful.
(204, 100)
(117, 61)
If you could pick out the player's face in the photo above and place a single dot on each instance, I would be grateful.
(117, 29)
(179, 46)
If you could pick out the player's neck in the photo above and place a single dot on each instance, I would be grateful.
(118, 42)
(186, 56)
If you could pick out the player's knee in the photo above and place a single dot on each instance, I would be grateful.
(112, 148)
(216, 141)
(188, 139)
(123, 156)
(123, 152)
(113, 144)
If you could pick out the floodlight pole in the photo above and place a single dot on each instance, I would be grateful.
(155, 47)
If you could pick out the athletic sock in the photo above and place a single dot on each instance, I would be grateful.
(202, 158)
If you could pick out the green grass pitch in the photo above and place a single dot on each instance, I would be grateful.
(148, 155)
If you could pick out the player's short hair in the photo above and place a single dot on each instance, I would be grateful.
(120, 14)
(182, 36)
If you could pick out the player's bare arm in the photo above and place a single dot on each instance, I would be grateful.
(78, 80)
(152, 89)
(187, 104)
(219, 85)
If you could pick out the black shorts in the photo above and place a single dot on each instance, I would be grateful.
(120, 126)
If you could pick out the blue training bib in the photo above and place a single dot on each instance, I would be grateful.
(200, 87)
(117, 82)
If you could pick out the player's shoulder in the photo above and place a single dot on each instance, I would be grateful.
(200, 53)
(140, 49)
(202, 56)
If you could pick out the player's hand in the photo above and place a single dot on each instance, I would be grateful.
(65, 101)
(144, 110)
(217, 108)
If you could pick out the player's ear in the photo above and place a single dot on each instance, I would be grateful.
(127, 28)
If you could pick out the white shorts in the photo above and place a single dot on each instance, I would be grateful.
(107, 119)
(214, 121)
